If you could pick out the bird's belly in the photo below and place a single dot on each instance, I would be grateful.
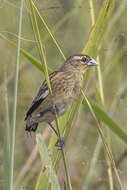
(63, 105)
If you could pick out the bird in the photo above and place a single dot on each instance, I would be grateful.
(66, 84)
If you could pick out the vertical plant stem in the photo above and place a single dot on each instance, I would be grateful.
(15, 101)
(102, 100)
(57, 123)
(92, 164)
(43, 59)
(99, 142)
(107, 148)
(6, 134)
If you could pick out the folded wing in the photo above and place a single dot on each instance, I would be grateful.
(41, 95)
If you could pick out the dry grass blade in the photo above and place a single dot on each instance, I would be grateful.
(108, 150)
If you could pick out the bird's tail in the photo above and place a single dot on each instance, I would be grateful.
(32, 127)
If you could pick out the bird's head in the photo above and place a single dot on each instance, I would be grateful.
(81, 62)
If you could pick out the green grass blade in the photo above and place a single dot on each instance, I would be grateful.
(28, 56)
(98, 146)
(102, 101)
(99, 28)
(46, 160)
(6, 135)
(92, 164)
(65, 123)
(97, 33)
(103, 116)
(15, 101)
(32, 59)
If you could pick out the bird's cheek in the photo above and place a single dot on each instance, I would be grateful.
(85, 68)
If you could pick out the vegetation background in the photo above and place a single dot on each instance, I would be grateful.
(70, 22)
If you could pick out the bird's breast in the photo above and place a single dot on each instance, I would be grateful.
(78, 85)
(65, 100)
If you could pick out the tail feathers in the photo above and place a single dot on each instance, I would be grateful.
(32, 127)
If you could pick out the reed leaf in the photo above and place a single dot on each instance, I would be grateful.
(46, 160)
(103, 116)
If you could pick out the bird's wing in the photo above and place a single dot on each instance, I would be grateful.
(41, 95)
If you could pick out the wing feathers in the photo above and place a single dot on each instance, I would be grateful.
(41, 95)
(33, 107)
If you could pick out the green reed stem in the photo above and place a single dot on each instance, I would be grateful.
(15, 101)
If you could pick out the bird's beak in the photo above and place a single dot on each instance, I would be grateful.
(92, 62)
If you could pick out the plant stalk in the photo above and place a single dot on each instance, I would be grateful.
(15, 100)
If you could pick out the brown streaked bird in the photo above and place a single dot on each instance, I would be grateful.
(66, 84)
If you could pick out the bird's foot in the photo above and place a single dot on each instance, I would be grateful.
(32, 127)
(60, 143)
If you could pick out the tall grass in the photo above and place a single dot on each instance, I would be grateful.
(12, 144)
(6, 134)
(46, 37)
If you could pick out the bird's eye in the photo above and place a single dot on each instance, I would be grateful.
(84, 59)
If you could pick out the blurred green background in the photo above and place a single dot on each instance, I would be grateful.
(70, 21)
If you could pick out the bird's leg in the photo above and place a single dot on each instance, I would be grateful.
(60, 142)
(53, 129)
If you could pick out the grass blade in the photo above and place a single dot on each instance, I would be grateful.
(102, 115)
(6, 135)
(99, 28)
(65, 126)
(92, 164)
(47, 163)
(107, 148)
(101, 92)
(28, 56)
(15, 101)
